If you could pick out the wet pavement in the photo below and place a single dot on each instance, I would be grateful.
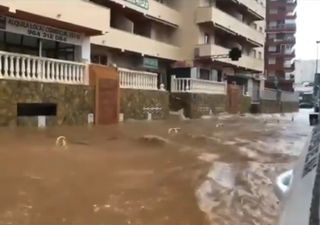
(213, 171)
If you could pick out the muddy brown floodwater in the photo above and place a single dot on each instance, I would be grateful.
(215, 171)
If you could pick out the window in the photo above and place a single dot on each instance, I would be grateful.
(57, 50)
(272, 49)
(206, 38)
(272, 36)
(260, 55)
(272, 61)
(255, 26)
(261, 29)
(272, 73)
(99, 59)
(254, 53)
(273, 11)
(273, 24)
(204, 74)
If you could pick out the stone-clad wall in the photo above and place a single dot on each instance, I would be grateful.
(197, 105)
(245, 106)
(271, 106)
(74, 102)
(133, 102)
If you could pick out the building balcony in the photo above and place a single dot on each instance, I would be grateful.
(289, 66)
(280, 3)
(246, 62)
(254, 7)
(285, 28)
(290, 53)
(281, 40)
(153, 10)
(283, 16)
(249, 8)
(229, 24)
(127, 41)
(93, 17)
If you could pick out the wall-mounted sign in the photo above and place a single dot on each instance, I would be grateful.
(140, 3)
(27, 28)
(150, 63)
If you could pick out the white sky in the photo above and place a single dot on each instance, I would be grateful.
(308, 28)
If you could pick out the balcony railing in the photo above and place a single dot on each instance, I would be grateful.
(282, 26)
(229, 23)
(15, 66)
(190, 85)
(138, 79)
(289, 96)
(288, 64)
(254, 6)
(269, 94)
(136, 43)
(154, 10)
(248, 62)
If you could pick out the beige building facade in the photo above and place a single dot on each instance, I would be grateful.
(183, 34)
(152, 49)
(157, 35)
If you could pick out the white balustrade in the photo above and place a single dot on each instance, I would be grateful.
(32, 68)
(269, 94)
(138, 79)
(286, 96)
(197, 86)
(289, 96)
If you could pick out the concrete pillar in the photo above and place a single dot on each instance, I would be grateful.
(85, 52)
(194, 73)
(250, 87)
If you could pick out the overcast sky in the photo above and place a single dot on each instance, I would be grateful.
(308, 28)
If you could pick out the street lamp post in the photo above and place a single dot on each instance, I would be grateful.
(317, 59)
(316, 84)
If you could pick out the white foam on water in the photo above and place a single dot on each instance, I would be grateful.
(223, 174)
(208, 157)
(230, 195)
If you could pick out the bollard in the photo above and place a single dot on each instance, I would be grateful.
(149, 116)
(42, 122)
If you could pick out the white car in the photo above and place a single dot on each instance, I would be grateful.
(299, 189)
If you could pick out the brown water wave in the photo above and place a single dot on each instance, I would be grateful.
(136, 173)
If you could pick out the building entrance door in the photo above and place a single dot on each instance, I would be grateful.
(234, 98)
(107, 98)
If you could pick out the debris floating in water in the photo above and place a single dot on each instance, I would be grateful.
(61, 142)
(154, 140)
(174, 130)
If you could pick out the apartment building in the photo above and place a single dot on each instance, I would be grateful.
(141, 36)
(183, 37)
(156, 35)
(149, 47)
(216, 28)
(280, 44)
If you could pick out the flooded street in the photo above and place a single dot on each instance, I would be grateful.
(216, 171)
